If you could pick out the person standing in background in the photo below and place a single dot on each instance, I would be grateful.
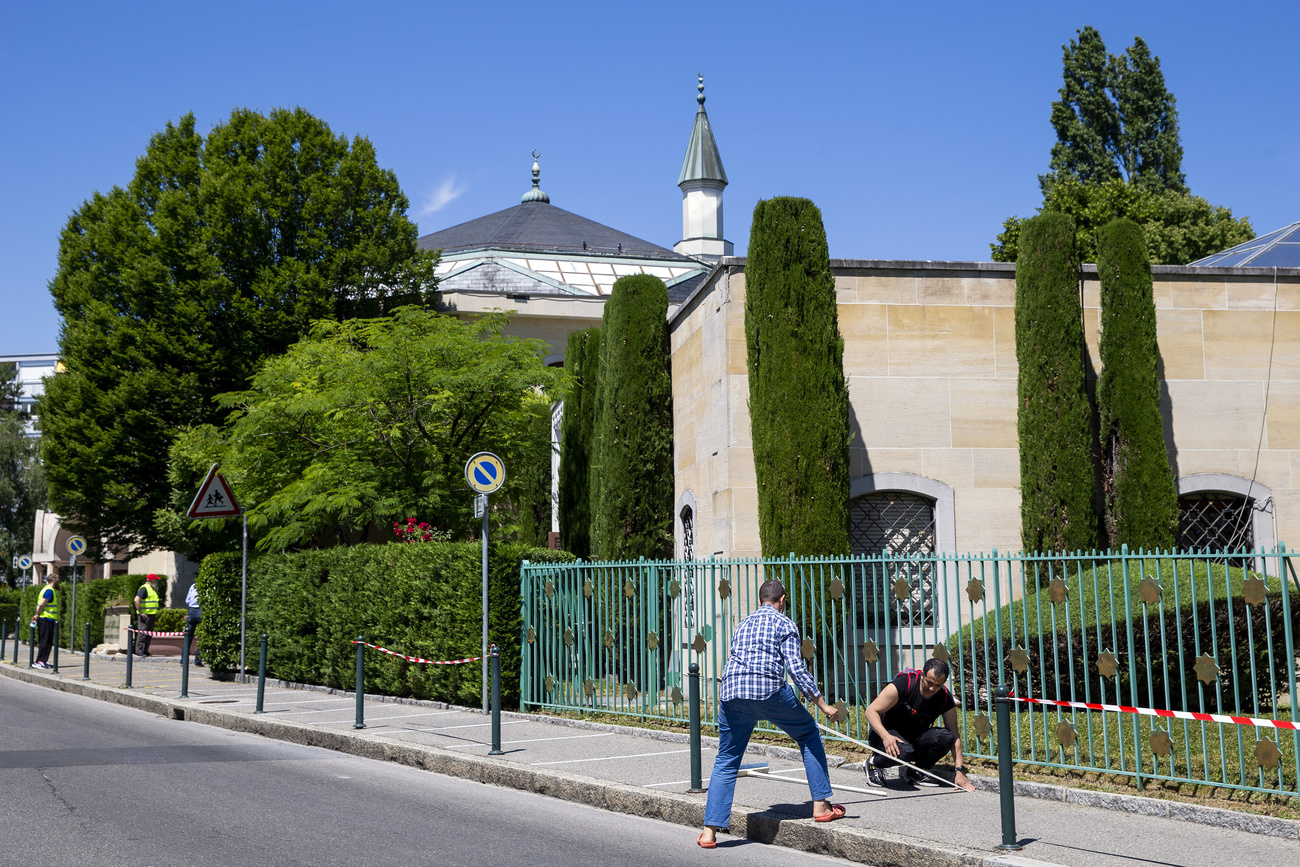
(46, 618)
(147, 606)
(193, 615)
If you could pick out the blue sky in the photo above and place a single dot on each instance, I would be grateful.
(917, 128)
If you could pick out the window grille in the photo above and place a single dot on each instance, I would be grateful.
(1214, 521)
(902, 525)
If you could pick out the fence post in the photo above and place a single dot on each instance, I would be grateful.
(361, 683)
(693, 695)
(85, 652)
(185, 661)
(1006, 781)
(496, 702)
(261, 675)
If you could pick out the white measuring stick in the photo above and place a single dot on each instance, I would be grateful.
(764, 774)
(832, 731)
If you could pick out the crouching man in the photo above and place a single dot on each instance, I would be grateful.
(901, 721)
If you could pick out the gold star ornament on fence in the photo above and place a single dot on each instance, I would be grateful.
(974, 590)
(1254, 591)
(808, 648)
(532, 635)
(629, 589)
(699, 645)
(983, 726)
(940, 652)
(589, 687)
(1057, 591)
(588, 588)
(549, 589)
(1020, 660)
(608, 640)
(1161, 743)
(1107, 663)
(1065, 734)
(836, 589)
(568, 638)
(629, 691)
(870, 652)
(1149, 590)
(652, 640)
(675, 694)
(674, 588)
(902, 589)
(549, 683)
(724, 589)
(1267, 754)
(1207, 671)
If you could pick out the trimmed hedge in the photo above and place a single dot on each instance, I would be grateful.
(91, 596)
(9, 607)
(421, 600)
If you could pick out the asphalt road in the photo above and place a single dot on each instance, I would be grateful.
(83, 782)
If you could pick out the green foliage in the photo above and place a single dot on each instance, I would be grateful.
(93, 599)
(632, 465)
(1140, 494)
(219, 252)
(371, 422)
(577, 430)
(1118, 154)
(22, 479)
(532, 473)
(1179, 227)
(798, 396)
(171, 620)
(1057, 485)
(420, 600)
(9, 600)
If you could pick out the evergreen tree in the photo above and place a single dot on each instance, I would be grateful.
(582, 359)
(632, 467)
(1057, 482)
(798, 396)
(1118, 154)
(220, 252)
(1140, 494)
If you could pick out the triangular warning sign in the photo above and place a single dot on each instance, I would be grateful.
(214, 499)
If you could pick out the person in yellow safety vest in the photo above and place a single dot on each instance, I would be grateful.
(147, 606)
(46, 619)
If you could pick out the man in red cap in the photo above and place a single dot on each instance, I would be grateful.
(147, 606)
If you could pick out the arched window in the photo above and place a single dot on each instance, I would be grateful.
(1217, 511)
(901, 524)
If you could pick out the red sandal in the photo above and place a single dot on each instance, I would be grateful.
(837, 812)
(705, 844)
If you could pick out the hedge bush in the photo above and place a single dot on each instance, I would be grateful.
(582, 359)
(9, 600)
(93, 596)
(421, 600)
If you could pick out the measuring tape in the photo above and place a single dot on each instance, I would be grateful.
(416, 658)
(1170, 714)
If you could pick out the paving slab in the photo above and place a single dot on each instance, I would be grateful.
(648, 773)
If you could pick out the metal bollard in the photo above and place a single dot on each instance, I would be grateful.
(261, 675)
(693, 695)
(1006, 781)
(4, 637)
(361, 683)
(56, 646)
(185, 662)
(496, 702)
(130, 655)
(85, 652)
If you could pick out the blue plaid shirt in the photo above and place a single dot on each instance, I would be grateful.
(764, 645)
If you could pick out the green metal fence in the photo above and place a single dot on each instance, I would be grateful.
(1172, 631)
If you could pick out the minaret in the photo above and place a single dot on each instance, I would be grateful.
(701, 181)
(535, 194)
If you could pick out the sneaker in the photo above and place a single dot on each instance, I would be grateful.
(198, 663)
(919, 779)
(875, 777)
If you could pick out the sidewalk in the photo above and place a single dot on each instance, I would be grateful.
(646, 773)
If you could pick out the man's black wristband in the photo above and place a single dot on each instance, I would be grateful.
(960, 769)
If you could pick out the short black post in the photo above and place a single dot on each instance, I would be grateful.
(185, 662)
(130, 655)
(693, 696)
(85, 652)
(496, 702)
(31, 643)
(1006, 781)
(4, 636)
(56, 646)
(361, 683)
(261, 675)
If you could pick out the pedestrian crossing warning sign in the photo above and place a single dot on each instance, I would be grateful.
(214, 499)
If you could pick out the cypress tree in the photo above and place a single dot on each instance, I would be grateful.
(1058, 509)
(798, 397)
(1140, 494)
(632, 467)
(582, 359)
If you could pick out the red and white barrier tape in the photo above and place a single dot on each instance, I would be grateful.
(156, 634)
(416, 658)
(1171, 714)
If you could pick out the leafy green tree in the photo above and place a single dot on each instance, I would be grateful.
(219, 252)
(370, 422)
(798, 396)
(632, 465)
(22, 481)
(1140, 495)
(1058, 509)
(582, 360)
(1118, 154)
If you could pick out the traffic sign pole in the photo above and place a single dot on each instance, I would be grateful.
(485, 473)
(76, 545)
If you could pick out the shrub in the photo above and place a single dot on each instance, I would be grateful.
(170, 620)
(1140, 495)
(420, 600)
(798, 397)
(9, 607)
(1058, 510)
(582, 359)
(632, 467)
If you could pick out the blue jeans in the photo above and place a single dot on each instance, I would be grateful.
(736, 721)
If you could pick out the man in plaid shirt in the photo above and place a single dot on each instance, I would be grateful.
(763, 647)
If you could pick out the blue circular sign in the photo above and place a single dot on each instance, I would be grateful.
(24, 562)
(76, 545)
(484, 472)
